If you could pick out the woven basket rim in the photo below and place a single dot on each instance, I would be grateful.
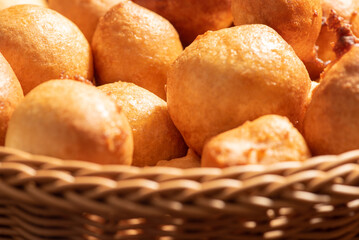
(289, 199)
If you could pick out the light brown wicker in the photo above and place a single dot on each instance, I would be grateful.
(47, 198)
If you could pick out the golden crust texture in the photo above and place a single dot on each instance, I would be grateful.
(8, 3)
(154, 134)
(71, 120)
(84, 13)
(327, 38)
(192, 18)
(133, 44)
(10, 96)
(40, 44)
(330, 125)
(191, 160)
(266, 140)
(297, 21)
(230, 76)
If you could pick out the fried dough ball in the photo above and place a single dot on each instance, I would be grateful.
(327, 38)
(331, 121)
(191, 160)
(40, 44)
(71, 120)
(133, 44)
(297, 21)
(266, 140)
(230, 76)
(8, 3)
(192, 18)
(84, 13)
(154, 134)
(10, 96)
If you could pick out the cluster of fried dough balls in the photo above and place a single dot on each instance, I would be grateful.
(108, 81)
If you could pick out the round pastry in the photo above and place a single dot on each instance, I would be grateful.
(40, 44)
(10, 96)
(84, 13)
(71, 120)
(331, 122)
(8, 3)
(266, 140)
(191, 160)
(297, 21)
(192, 18)
(133, 44)
(154, 134)
(230, 76)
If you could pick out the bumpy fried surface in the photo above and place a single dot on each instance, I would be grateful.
(192, 18)
(10, 95)
(343, 8)
(154, 134)
(40, 44)
(330, 125)
(266, 140)
(230, 76)
(297, 21)
(71, 120)
(134, 44)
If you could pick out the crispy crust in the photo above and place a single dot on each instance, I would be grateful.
(154, 134)
(134, 44)
(233, 75)
(330, 125)
(71, 120)
(266, 140)
(40, 44)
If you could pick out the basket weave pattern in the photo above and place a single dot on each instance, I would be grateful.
(47, 198)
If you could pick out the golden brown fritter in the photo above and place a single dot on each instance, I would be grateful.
(266, 140)
(230, 76)
(40, 44)
(71, 120)
(331, 121)
(134, 44)
(154, 134)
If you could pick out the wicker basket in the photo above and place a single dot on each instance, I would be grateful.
(47, 198)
